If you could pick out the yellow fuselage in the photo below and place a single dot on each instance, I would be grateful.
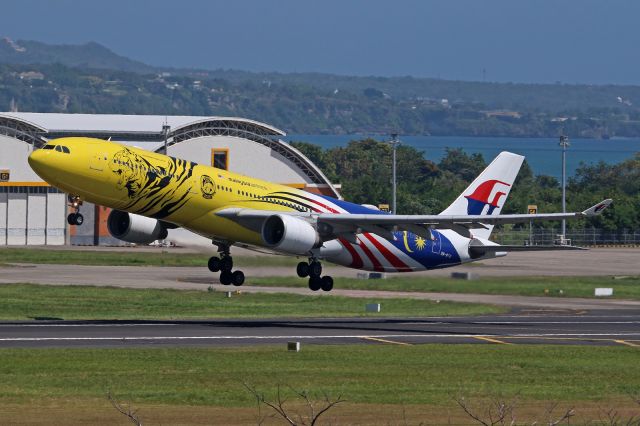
(155, 185)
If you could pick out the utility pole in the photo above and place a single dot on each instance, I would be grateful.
(165, 133)
(564, 143)
(394, 146)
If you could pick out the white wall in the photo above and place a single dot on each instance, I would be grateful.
(36, 219)
(245, 157)
(17, 219)
(13, 156)
(56, 218)
(3, 219)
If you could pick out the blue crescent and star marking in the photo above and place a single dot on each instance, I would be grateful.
(437, 253)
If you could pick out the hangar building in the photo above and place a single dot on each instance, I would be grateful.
(33, 213)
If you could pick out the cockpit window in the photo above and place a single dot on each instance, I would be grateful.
(58, 148)
(65, 150)
(48, 147)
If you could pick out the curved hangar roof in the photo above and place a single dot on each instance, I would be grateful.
(37, 128)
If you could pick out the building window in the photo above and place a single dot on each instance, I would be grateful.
(220, 158)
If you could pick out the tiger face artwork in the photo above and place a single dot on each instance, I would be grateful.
(153, 190)
(131, 171)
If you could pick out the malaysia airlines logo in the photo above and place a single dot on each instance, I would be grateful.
(480, 197)
(600, 207)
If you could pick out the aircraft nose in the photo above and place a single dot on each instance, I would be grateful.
(41, 164)
(36, 160)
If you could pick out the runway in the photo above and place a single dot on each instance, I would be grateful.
(526, 327)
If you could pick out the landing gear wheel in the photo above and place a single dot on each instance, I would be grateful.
(214, 264)
(326, 283)
(237, 278)
(226, 277)
(226, 264)
(303, 269)
(315, 269)
(75, 219)
(315, 283)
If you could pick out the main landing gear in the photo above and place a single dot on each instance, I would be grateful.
(75, 218)
(313, 270)
(224, 265)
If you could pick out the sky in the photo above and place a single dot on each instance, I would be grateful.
(533, 41)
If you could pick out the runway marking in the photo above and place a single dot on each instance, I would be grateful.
(393, 342)
(522, 322)
(551, 322)
(488, 339)
(624, 342)
(579, 339)
(89, 325)
(545, 311)
(556, 336)
(427, 320)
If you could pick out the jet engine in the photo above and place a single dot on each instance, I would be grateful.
(134, 228)
(289, 234)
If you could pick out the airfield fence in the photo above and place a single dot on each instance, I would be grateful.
(579, 237)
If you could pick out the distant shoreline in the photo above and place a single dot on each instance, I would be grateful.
(542, 154)
(383, 136)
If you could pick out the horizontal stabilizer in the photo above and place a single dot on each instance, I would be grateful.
(478, 250)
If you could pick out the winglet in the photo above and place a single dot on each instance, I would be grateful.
(598, 208)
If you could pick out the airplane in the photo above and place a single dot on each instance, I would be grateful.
(150, 193)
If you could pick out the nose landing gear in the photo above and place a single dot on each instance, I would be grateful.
(313, 270)
(224, 265)
(75, 218)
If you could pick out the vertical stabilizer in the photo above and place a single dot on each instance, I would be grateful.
(488, 192)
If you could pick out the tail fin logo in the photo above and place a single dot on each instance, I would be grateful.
(600, 207)
(479, 199)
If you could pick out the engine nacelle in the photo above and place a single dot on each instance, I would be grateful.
(289, 234)
(134, 228)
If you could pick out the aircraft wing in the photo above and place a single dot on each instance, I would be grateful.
(420, 224)
(384, 224)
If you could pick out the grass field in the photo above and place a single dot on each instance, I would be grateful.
(28, 301)
(376, 380)
(626, 288)
(130, 258)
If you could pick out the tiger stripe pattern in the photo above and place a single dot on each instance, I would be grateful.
(155, 190)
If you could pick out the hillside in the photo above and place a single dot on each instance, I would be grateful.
(89, 55)
(90, 78)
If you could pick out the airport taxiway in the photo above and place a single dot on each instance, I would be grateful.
(619, 261)
(532, 327)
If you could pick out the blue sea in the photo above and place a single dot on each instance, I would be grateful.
(542, 154)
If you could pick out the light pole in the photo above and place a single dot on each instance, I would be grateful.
(564, 143)
(394, 146)
(165, 133)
